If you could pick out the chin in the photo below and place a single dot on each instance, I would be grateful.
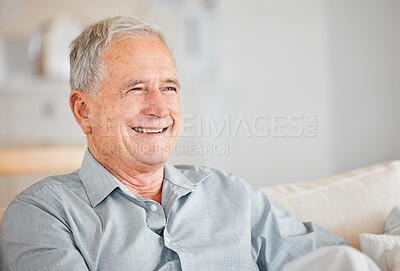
(153, 159)
(151, 155)
(153, 162)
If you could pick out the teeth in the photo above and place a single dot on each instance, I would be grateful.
(147, 131)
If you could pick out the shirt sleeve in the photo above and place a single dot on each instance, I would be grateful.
(35, 237)
(279, 237)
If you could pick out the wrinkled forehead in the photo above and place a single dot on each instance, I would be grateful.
(145, 59)
(147, 49)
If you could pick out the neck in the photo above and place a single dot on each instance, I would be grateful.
(147, 185)
(142, 181)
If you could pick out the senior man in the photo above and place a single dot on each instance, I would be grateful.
(126, 208)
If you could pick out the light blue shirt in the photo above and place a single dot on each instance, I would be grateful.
(208, 220)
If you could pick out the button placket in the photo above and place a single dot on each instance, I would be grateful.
(155, 217)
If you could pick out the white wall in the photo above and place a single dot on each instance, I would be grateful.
(272, 60)
(364, 53)
(337, 60)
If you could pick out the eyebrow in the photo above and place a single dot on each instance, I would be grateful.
(173, 81)
(131, 83)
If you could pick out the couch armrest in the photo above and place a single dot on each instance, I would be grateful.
(349, 204)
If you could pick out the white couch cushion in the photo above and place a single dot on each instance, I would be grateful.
(349, 204)
(384, 249)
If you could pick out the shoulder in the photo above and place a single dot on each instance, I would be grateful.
(53, 192)
(227, 183)
(48, 198)
(69, 181)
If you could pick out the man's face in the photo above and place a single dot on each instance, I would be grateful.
(135, 119)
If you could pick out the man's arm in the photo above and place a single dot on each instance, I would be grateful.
(278, 236)
(35, 237)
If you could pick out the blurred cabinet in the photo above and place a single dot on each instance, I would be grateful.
(36, 112)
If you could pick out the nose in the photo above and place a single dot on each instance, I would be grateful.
(156, 105)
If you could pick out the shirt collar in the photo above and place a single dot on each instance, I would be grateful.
(97, 181)
(185, 177)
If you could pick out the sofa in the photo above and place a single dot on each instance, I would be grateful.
(348, 204)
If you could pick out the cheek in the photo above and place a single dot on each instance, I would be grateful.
(174, 105)
(175, 112)
(115, 109)
(132, 105)
(105, 117)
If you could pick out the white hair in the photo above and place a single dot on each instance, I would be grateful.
(87, 69)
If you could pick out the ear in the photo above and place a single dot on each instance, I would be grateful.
(79, 102)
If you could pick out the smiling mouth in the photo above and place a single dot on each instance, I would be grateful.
(148, 130)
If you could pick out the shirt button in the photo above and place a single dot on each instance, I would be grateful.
(153, 207)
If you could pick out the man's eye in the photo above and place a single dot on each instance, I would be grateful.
(135, 89)
(170, 89)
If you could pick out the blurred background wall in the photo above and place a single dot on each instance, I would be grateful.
(275, 91)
